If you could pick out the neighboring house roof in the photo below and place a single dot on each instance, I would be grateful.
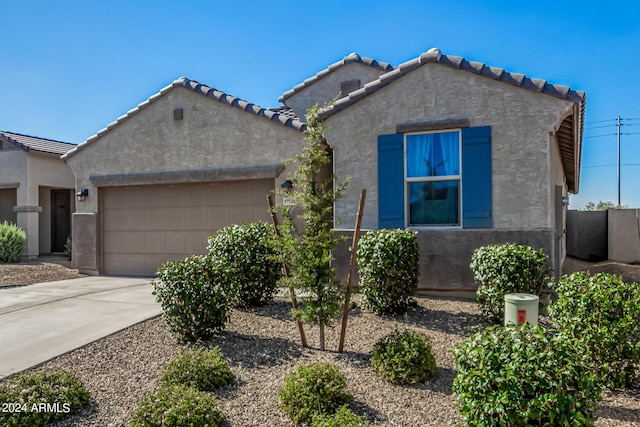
(569, 135)
(214, 94)
(349, 59)
(43, 145)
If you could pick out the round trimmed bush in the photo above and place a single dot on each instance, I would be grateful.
(313, 390)
(403, 358)
(194, 303)
(203, 369)
(252, 264)
(12, 239)
(503, 269)
(521, 375)
(54, 387)
(177, 406)
(388, 270)
(344, 417)
(603, 312)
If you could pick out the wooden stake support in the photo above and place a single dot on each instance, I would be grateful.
(287, 273)
(352, 267)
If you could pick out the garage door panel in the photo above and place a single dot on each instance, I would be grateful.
(174, 218)
(125, 241)
(124, 219)
(195, 216)
(218, 217)
(146, 226)
(196, 240)
(154, 243)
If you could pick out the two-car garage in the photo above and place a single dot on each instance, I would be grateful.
(156, 183)
(144, 226)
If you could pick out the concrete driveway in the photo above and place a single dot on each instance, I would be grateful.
(41, 321)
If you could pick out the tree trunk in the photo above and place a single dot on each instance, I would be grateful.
(321, 322)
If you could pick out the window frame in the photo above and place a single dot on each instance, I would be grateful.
(408, 180)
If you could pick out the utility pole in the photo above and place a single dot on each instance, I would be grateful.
(618, 125)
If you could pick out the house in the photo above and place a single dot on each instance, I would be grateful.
(164, 176)
(36, 191)
(464, 153)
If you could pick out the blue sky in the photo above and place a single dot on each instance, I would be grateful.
(69, 68)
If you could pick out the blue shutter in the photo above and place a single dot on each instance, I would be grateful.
(476, 177)
(391, 181)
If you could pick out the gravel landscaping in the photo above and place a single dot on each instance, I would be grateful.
(262, 345)
(47, 269)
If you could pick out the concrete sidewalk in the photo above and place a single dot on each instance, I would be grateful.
(41, 321)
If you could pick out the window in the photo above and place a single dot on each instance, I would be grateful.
(432, 176)
(435, 178)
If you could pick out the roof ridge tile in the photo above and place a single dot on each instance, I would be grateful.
(353, 57)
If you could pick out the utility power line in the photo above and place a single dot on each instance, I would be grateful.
(618, 122)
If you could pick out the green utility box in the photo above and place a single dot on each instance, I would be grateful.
(520, 309)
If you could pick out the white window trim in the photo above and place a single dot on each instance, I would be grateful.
(427, 179)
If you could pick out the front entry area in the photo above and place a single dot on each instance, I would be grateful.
(60, 218)
(145, 226)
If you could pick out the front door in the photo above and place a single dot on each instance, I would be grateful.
(60, 219)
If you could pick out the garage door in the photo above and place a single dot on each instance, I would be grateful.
(145, 226)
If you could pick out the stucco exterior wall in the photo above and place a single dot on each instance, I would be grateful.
(50, 171)
(520, 121)
(624, 235)
(328, 87)
(29, 172)
(14, 169)
(211, 135)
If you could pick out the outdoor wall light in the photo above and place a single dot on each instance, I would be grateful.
(287, 186)
(565, 200)
(81, 195)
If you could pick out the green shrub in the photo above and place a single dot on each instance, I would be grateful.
(12, 239)
(29, 394)
(177, 406)
(313, 390)
(252, 261)
(388, 270)
(503, 269)
(194, 303)
(68, 247)
(200, 368)
(403, 358)
(520, 375)
(603, 312)
(344, 417)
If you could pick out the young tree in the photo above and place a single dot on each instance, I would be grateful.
(308, 247)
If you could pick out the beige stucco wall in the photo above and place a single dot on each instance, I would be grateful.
(14, 168)
(520, 120)
(33, 171)
(211, 135)
(328, 87)
(50, 171)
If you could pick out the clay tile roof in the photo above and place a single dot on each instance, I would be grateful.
(435, 55)
(288, 120)
(349, 59)
(570, 142)
(29, 143)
